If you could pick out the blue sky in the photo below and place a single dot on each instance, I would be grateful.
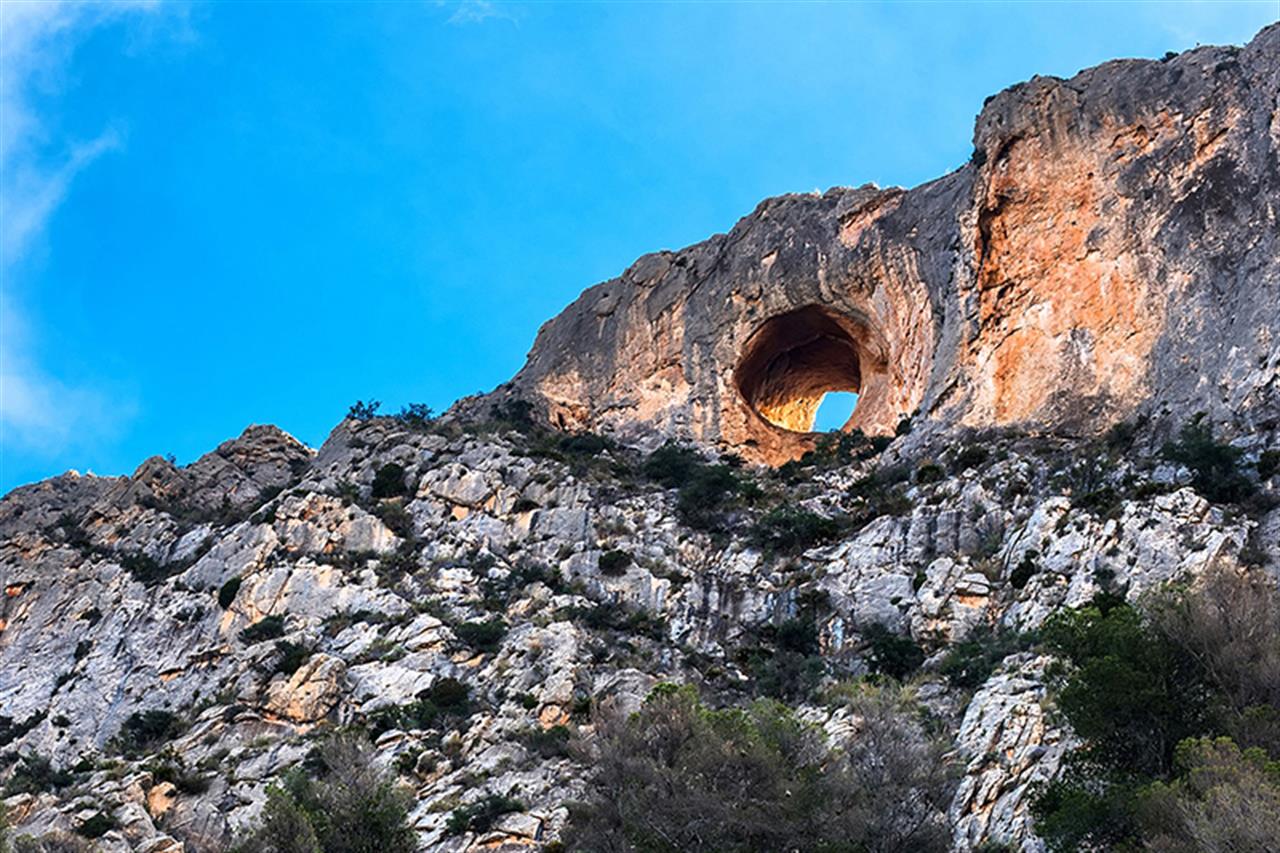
(222, 214)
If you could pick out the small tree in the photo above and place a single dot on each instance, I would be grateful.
(351, 806)
(1224, 799)
(1215, 467)
(362, 411)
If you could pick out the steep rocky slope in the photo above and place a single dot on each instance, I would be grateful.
(113, 586)
(469, 590)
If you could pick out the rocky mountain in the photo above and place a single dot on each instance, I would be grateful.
(1109, 250)
(1030, 336)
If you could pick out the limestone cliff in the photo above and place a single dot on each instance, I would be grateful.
(1112, 247)
(173, 641)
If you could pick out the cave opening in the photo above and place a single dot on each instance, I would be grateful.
(796, 361)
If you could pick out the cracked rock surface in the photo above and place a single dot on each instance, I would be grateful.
(116, 603)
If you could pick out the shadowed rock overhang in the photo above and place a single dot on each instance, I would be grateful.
(1111, 247)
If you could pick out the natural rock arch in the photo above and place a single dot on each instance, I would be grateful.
(795, 359)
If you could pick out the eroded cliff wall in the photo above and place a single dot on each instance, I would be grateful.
(1111, 247)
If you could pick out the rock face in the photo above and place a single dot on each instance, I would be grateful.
(370, 595)
(1111, 247)
(1111, 251)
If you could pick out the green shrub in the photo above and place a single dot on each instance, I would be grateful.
(780, 673)
(880, 493)
(1085, 809)
(788, 529)
(583, 444)
(1132, 694)
(1026, 569)
(291, 656)
(398, 519)
(266, 628)
(228, 591)
(447, 698)
(706, 492)
(970, 662)
(349, 806)
(143, 731)
(614, 563)
(929, 472)
(971, 456)
(514, 415)
(480, 816)
(1223, 798)
(1215, 467)
(169, 768)
(549, 743)
(483, 636)
(11, 731)
(890, 654)
(832, 450)
(671, 465)
(416, 415)
(388, 482)
(1268, 464)
(449, 694)
(612, 616)
(362, 411)
(35, 774)
(97, 825)
(787, 663)
(146, 570)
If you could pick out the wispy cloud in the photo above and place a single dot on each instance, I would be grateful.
(479, 11)
(39, 412)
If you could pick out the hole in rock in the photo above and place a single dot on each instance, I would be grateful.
(796, 360)
(835, 410)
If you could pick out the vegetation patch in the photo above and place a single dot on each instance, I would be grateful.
(680, 776)
(97, 825)
(789, 529)
(228, 591)
(389, 482)
(144, 731)
(614, 563)
(481, 815)
(448, 698)
(1179, 709)
(891, 654)
(483, 636)
(36, 774)
(1215, 467)
(346, 804)
(266, 628)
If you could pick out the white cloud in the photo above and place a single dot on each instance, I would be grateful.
(479, 11)
(39, 413)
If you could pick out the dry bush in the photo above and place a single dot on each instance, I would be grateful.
(678, 776)
(1230, 623)
(895, 782)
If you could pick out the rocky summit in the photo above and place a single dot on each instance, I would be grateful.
(1068, 363)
